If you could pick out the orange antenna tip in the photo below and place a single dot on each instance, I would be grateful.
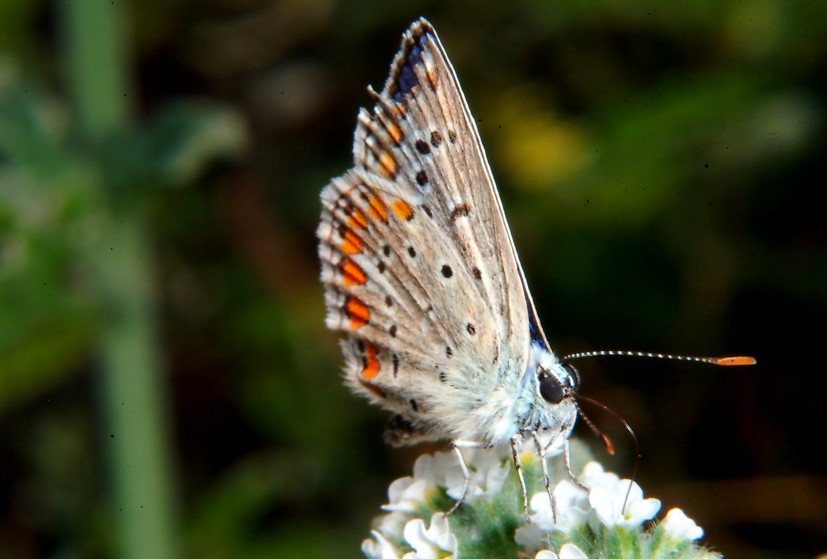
(610, 448)
(734, 361)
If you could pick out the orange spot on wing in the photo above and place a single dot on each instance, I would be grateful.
(352, 273)
(403, 210)
(433, 77)
(351, 244)
(394, 132)
(387, 164)
(371, 363)
(358, 220)
(378, 209)
(357, 312)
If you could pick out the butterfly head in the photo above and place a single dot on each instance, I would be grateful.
(555, 386)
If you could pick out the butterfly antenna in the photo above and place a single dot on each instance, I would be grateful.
(609, 446)
(732, 361)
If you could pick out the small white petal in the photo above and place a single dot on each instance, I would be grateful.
(428, 468)
(414, 531)
(542, 516)
(392, 524)
(622, 504)
(488, 471)
(572, 506)
(406, 494)
(378, 547)
(546, 554)
(632, 493)
(602, 501)
(440, 533)
(415, 535)
(433, 542)
(594, 475)
(397, 487)
(680, 526)
(640, 512)
(571, 551)
(531, 537)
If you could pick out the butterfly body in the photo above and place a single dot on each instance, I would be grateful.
(421, 275)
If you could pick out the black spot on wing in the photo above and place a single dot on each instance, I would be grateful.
(436, 138)
(462, 210)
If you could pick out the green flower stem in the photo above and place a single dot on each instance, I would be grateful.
(95, 40)
(131, 380)
(134, 397)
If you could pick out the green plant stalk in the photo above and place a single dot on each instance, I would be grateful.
(131, 381)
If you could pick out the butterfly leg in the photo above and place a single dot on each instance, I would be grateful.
(541, 452)
(466, 474)
(516, 446)
(567, 460)
(466, 477)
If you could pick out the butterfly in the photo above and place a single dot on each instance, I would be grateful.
(422, 278)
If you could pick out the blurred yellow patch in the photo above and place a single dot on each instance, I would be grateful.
(528, 456)
(534, 146)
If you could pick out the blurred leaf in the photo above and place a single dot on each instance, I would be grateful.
(29, 128)
(184, 138)
(646, 150)
(235, 516)
(48, 317)
(174, 149)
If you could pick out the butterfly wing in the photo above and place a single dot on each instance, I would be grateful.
(417, 260)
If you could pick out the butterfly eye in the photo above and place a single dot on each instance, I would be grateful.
(574, 375)
(550, 388)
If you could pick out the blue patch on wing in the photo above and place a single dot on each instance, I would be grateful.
(405, 77)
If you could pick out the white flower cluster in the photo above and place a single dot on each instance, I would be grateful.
(487, 467)
(408, 496)
(609, 503)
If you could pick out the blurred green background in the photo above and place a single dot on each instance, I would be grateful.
(167, 387)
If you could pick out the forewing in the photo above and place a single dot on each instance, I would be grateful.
(418, 263)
